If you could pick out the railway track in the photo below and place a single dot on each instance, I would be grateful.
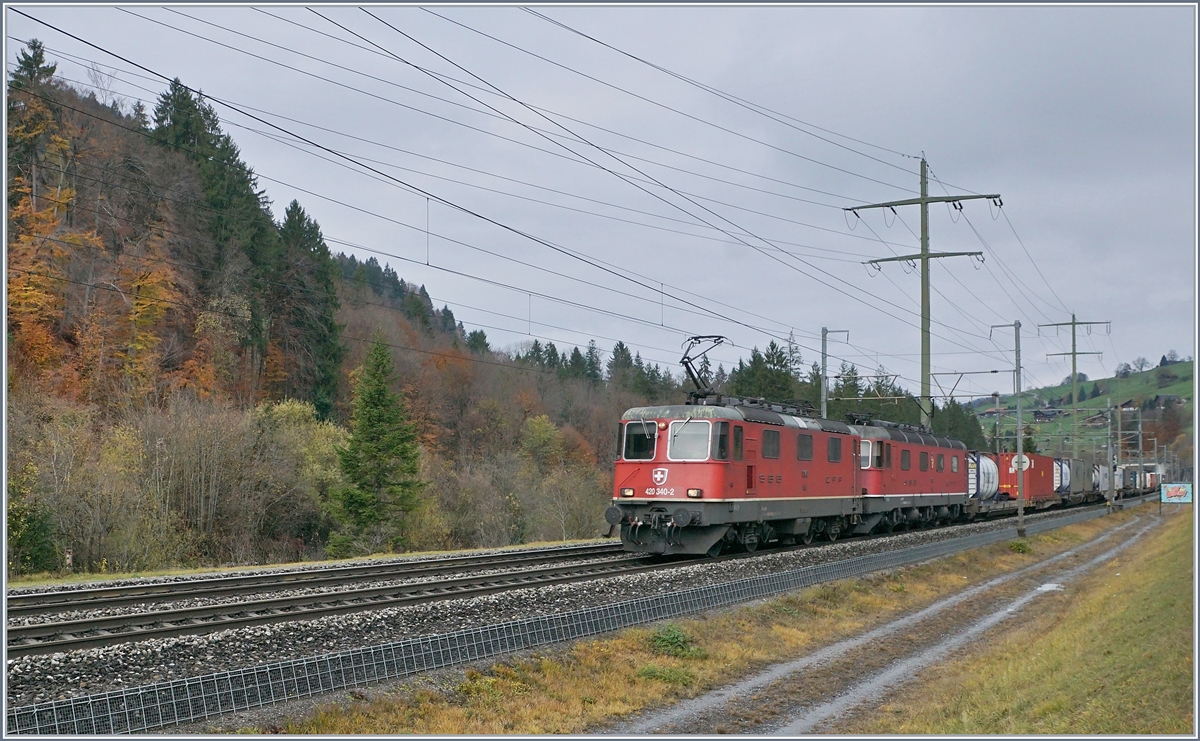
(67, 635)
(20, 605)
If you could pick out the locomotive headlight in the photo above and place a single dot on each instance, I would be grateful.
(695, 493)
(627, 492)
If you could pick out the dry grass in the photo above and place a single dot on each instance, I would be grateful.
(598, 681)
(1111, 656)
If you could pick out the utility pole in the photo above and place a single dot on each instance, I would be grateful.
(1074, 375)
(824, 367)
(997, 397)
(1112, 469)
(924, 256)
(1139, 473)
(1019, 456)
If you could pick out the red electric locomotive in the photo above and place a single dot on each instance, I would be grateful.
(721, 471)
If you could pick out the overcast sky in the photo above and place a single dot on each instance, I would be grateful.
(1083, 120)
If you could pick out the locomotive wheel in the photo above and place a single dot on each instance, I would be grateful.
(833, 529)
(715, 549)
(751, 546)
(807, 537)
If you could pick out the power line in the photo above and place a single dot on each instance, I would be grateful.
(732, 98)
(670, 108)
(577, 137)
(392, 178)
(489, 113)
(236, 316)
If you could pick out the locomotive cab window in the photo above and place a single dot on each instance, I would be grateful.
(877, 448)
(954, 464)
(688, 440)
(770, 444)
(639, 441)
(864, 454)
(804, 447)
(834, 450)
(887, 457)
(924, 461)
(737, 442)
(941, 462)
(905, 459)
(720, 441)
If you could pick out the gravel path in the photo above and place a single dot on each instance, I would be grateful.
(808, 694)
(32, 679)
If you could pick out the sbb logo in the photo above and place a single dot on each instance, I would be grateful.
(659, 475)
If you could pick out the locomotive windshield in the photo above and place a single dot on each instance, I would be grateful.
(639, 441)
(689, 440)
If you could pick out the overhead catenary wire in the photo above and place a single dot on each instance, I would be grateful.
(294, 287)
(234, 107)
(667, 187)
(423, 192)
(733, 98)
(532, 185)
(159, 75)
(219, 101)
(733, 236)
(473, 109)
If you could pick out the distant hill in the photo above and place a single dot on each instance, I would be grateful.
(1165, 395)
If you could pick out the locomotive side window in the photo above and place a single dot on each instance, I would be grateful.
(905, 460)
(941, 462)
(737, 442)
(720, 441)
(878, 450)
(887, 456)
(864, 454)
(804, 447)
(688, 440)
(834, 451)
(924, 461)
(954, 464)
(770, 445)
(639, 441)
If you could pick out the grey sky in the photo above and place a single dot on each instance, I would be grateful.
(1082, 118)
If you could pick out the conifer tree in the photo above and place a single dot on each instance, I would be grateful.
(304, 303)
(620, 366)
(477, 342)
(593, 372)
(381, 457)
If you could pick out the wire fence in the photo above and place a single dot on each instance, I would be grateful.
(198, 698)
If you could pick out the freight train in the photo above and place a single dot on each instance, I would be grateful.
(722, 472)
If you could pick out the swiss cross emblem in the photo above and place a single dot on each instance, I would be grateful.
(660, 476)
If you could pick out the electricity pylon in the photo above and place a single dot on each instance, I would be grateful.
(1074, 375)
(924, 256)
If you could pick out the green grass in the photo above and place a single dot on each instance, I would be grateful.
(1113, 656)
(1137, 387)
